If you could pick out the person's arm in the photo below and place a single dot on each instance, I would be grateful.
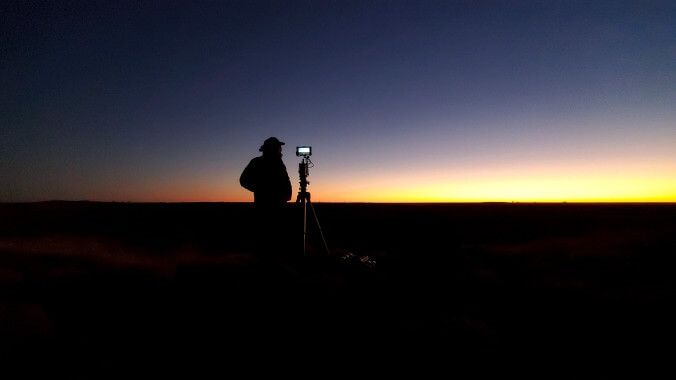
(285, 184)
(288, 188)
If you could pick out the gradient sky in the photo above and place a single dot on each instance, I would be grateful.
(401, 100)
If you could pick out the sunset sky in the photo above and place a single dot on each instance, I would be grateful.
(402, 101)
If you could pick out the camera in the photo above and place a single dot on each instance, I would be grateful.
(305, 151)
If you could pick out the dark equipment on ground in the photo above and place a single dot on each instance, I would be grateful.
(304, 196)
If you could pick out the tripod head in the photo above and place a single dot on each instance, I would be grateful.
(303, 172)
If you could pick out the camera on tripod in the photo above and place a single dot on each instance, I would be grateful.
(304, 196)
(304, 151)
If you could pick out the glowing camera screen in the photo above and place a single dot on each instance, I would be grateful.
(304, 151)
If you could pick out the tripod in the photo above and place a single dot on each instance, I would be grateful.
(304, 198)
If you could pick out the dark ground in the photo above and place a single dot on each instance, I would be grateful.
(93, 289)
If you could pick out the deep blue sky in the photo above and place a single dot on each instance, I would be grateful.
(401, 100)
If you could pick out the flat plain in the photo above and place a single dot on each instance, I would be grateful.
(106, 287)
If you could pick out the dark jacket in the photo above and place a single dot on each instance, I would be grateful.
(266, 176)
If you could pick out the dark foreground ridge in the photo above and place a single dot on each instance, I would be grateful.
(94, 288)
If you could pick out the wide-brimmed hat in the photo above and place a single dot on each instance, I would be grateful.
(271, 142)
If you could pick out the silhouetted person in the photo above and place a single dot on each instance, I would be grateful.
(267, 178)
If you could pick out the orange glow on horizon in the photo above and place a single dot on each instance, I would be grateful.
(590, 189)
(621, 181)
(547, 183)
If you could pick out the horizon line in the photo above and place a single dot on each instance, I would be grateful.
(347, 202)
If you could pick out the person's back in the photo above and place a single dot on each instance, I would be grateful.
(267, 178)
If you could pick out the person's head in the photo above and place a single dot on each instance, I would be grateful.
(271, 146)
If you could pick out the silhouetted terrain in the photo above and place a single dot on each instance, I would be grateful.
(89, 289)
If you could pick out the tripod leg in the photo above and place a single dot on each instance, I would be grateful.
(304, 225)
(319, 227)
